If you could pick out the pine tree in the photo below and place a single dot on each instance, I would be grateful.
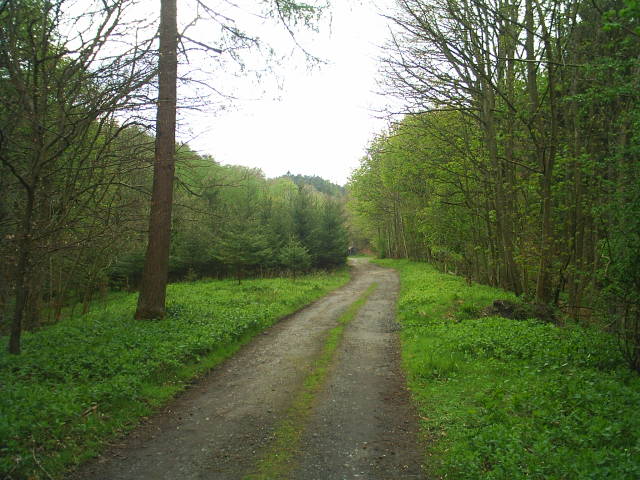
(332, 236)
(295, 257)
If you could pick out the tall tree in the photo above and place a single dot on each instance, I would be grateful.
(332, 236)
(151, 301)
(547, 203)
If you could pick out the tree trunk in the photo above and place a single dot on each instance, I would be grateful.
(505, 241)
(544, 160)
(151, 301)
(577, 233)
(22, 276)
(543, 287)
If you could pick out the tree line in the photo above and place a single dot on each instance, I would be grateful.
(517, 163)
(227, 221)
(232, 221)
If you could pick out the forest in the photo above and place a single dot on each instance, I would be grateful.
(499, 326)
(77, 157)
(517, 161)
(228, 222)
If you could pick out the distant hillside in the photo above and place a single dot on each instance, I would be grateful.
(320, 184)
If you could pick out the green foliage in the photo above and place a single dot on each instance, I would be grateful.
(305, 219)
(627, 17)
(332, 237)
(620, 298)
(67, 156)
(84, 380)
(408, 194)
(318, 183)
(509, 399)
(74, 164)
(243, 247)
(294, 257)
(231, 221)
(127, 270)
(528, 179)
(242, 228)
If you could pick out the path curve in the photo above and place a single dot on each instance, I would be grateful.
(362, 425)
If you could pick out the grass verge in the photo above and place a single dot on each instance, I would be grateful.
(507, 399)
(87, 379)
(277, 461)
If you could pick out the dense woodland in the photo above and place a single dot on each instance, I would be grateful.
(78, 153)
(228, 221)
(517, 163)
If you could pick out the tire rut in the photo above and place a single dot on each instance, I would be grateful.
(364, 425)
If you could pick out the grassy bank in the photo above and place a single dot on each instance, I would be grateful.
(508, 399)
(84, 380)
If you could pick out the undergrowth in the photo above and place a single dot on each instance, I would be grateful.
(508, 399)
(87, 379)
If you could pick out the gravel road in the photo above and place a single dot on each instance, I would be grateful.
(361, 426)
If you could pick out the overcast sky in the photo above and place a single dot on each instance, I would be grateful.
(324, 117)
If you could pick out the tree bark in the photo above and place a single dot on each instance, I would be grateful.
(22, 275)
(151, 301)
(543, 286)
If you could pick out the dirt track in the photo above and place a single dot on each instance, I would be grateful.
(361, 426)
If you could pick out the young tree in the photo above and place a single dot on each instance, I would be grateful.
(332, 236)
(305, 219)
(243, 247)
(294, 257)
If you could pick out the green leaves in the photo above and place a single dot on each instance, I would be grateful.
(295, 257)
(626, 17)
(243, 230)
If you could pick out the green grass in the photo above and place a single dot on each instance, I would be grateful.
(508, 399)
(85, 380)
(277, 461)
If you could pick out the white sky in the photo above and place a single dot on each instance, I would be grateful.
(300, 118)
(325, 117)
